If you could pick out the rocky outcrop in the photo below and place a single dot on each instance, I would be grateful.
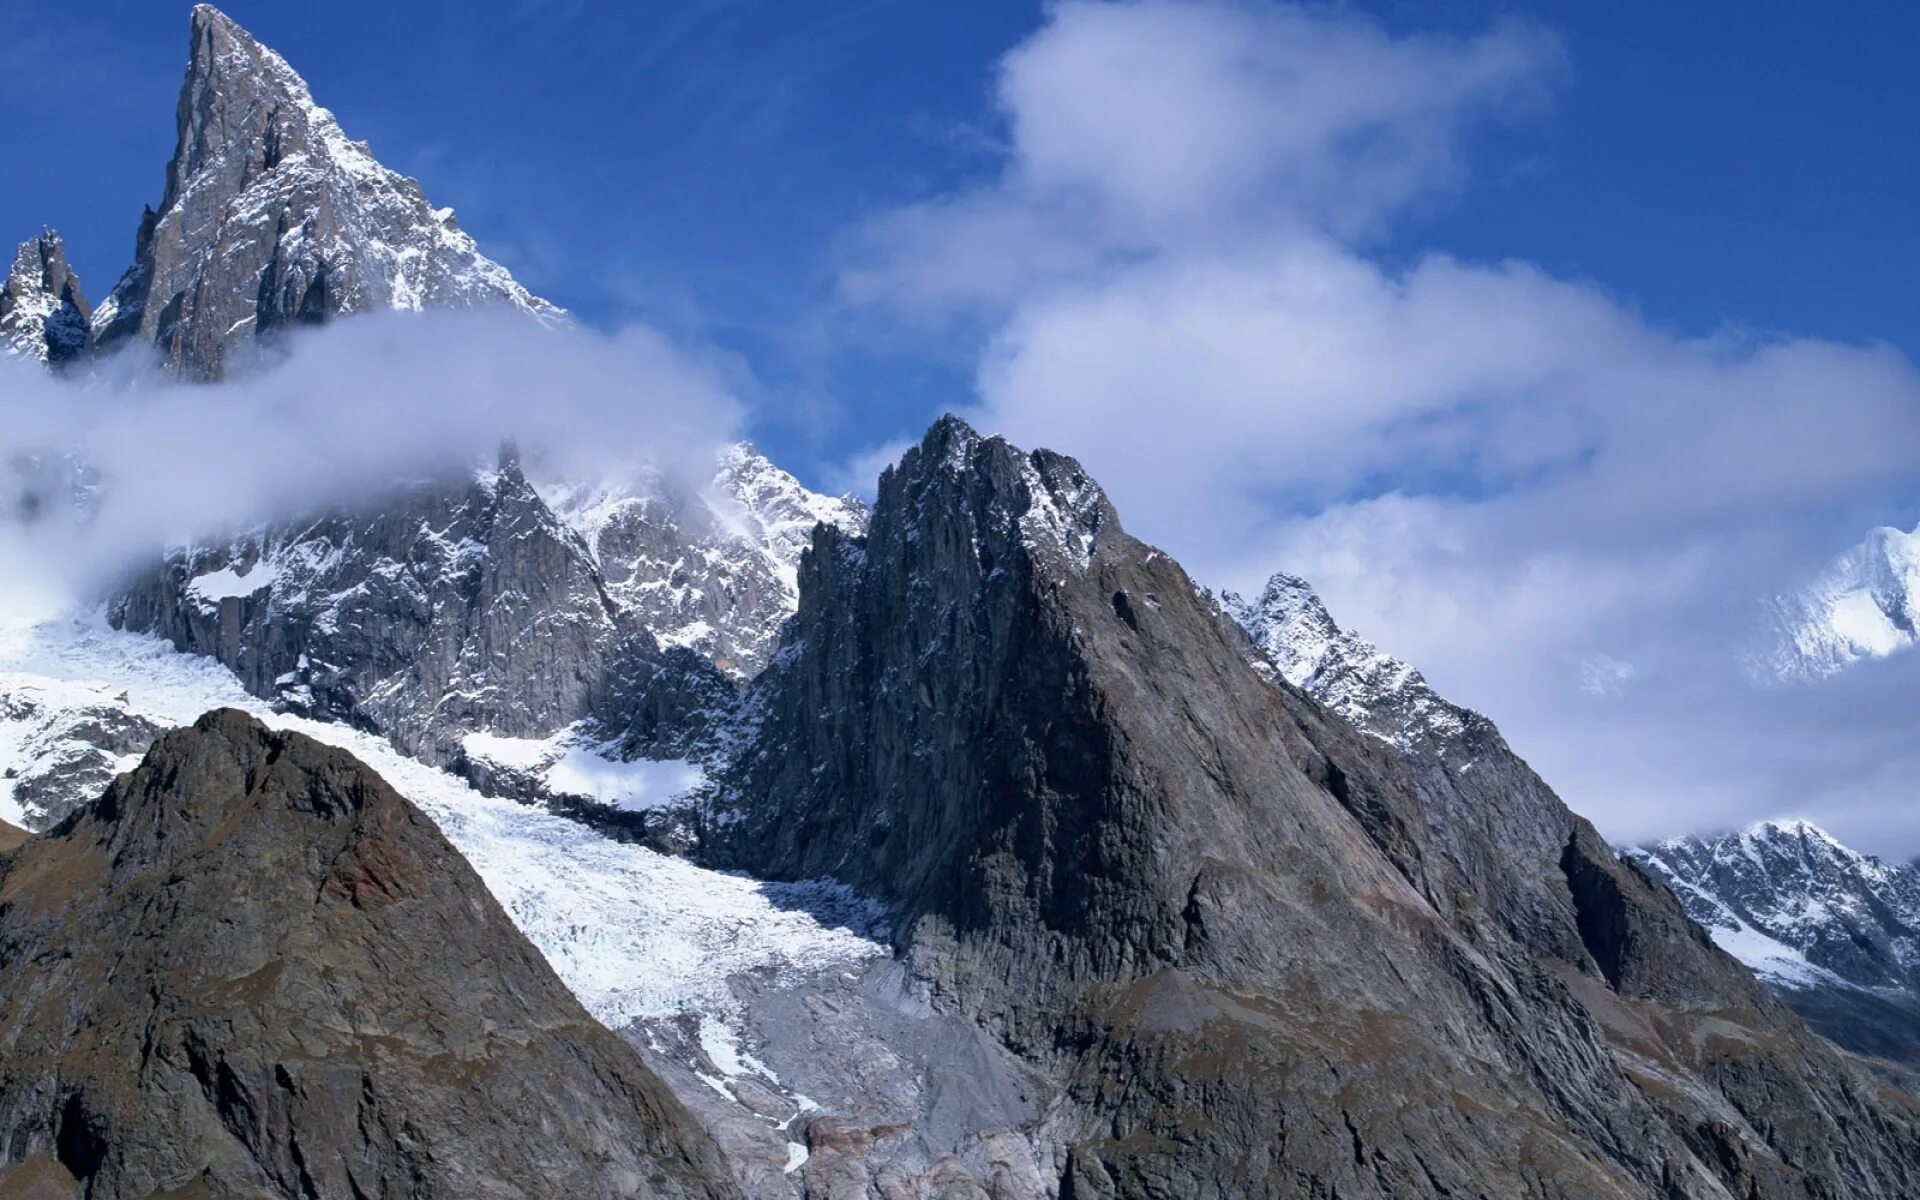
(44, 313)
(1836, 932)
(456, 606)
(1258, 953)
(272, 219)
(253, 970)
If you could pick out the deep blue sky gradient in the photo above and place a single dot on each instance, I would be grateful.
(695, 164)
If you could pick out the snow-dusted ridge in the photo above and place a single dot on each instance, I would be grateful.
(1800, 908)
(713, 569)
(1373, 691)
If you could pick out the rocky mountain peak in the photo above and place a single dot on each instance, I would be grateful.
(1378, 694)
(257, 970)
(272, 218)
(1120, 845)
(44, 313)
(1837, 932)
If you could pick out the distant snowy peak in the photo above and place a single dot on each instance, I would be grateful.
(1866, 604)
(43, 311)
(1374, 692)
(272, 218)
(712, 567)
(1797, 906)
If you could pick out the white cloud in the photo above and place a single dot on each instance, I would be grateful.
(349, 409)
(1134, 126)
(1509, 478)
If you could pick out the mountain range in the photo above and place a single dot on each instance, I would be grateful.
(633, 837)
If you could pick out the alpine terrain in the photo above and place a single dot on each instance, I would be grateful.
(684, 832)
(1835, 931)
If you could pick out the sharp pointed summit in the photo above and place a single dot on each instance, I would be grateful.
(272, 217)
(43, 311)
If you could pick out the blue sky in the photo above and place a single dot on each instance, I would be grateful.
(697, 164)
(1546, 341)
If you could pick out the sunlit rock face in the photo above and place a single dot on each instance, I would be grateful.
(273, 218)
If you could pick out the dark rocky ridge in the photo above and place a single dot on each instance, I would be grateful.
(272, 218)
(44, 313)
(1262, 954)
(253, 969)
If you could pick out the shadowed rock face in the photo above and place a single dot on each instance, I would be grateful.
(1260, 953)
(252, 969)
(273, 218)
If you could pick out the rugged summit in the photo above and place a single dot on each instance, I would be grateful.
(1258, 953)
(452, 607)
(1835, 931)
(1865, 604)
(272, 218)
(254, 970)
(1376, 693)
(44, 314)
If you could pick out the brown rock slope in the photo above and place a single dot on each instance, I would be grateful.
(252, 969)
(1262, 954)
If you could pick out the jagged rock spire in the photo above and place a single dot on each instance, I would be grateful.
(273, 218)
(43, 311)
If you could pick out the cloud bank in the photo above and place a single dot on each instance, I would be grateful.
(344, 411)
(1565, 515)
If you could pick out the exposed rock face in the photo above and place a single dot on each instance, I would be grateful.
(252, 969)
(44, 313)
(1257, 953)
(11, 836)
(272, 218)
(1865, 604)
(1836, 932)
(457, 606)
(712, 569)
(1376, 693)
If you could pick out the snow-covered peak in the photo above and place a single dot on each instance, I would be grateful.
(1799, 906)
(712, 567)
(771, 508)
(273, 217)
(1373, 691)
(1865, 604)
(43, 311)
